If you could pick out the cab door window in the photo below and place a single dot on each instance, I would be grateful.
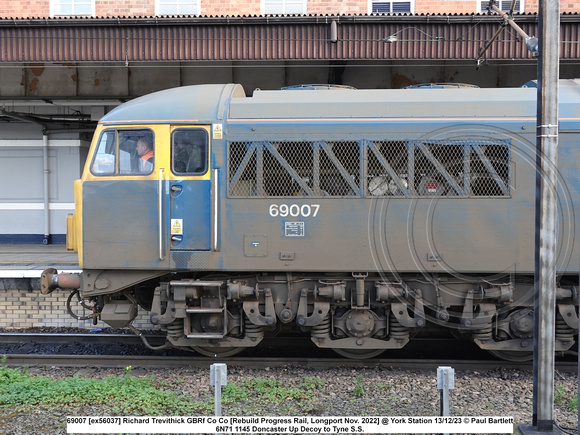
(189, 151)
(105, 159)
(124, 152)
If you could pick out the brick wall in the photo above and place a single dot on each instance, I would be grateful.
(30, 309)
(230, 7)
(40, 8)
(565, 6)
(337, 7)
(472, 6)
(568, 6)
(24, 8)
(445, 7)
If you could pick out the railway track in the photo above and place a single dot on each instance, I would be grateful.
(261, 363)
(121, 350)
(51, 338)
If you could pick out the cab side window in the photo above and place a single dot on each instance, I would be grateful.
(105, 157)
(124, 152)
(189, 151)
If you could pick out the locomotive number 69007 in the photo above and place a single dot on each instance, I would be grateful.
(294, 210)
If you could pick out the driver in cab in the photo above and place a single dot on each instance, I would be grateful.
(145, 153)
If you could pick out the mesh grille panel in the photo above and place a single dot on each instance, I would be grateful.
(369, 168)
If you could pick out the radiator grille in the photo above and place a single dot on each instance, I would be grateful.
(369, 168)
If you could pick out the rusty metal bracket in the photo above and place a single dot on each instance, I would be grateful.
(168, 316)
(319, 312)
(252, 310)
(399, 309)
(568, 313)
(486, 313)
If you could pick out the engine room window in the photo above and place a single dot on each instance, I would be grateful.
(189, 151)
(377, 168)
(124, 152)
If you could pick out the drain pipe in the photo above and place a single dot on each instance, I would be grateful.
(47, 240)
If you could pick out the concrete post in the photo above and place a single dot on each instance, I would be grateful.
(445, 382)
(546, 217)
(546, 220)
(218, 380)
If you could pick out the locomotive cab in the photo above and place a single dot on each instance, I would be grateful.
(136, 220)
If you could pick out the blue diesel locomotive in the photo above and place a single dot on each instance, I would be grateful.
(359, 217)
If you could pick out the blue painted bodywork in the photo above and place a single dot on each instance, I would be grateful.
(120, 228)
(360, 233)
(192, 204)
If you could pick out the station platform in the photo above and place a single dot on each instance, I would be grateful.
(28, 261)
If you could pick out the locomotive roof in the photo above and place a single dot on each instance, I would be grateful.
(208, 103)
(199, 103)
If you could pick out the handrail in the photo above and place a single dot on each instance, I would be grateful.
(215, 198)
(160, 210)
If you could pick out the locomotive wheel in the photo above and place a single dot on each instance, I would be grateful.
(359, 353)
(216, 352)
(512, 355)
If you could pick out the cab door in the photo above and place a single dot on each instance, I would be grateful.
(122, 200)
(190, 189)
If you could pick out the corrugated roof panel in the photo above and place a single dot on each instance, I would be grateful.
(252, 39)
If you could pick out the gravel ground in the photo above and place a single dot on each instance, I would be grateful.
(383, 391)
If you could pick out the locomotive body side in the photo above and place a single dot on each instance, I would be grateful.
(355, 215)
